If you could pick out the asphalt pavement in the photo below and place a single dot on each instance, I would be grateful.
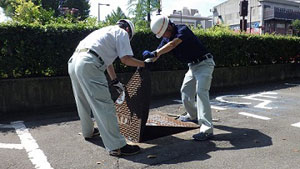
(256, 127)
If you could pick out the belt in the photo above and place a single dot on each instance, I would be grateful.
(87, 50)
(200, 59)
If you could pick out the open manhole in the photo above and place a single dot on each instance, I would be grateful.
(135, 122)
(159, 125)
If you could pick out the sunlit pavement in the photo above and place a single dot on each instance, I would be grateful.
(255, 127)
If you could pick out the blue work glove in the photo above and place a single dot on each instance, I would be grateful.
(147, 54)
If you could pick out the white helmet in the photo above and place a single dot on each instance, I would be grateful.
(130, 24)
(159, 25)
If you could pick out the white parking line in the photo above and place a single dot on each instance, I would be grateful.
(254, 116)
(291, 84)
(35, 154)
(218, 108)
(11, 146)
(213, 107)
(296, 124)
(6, 126)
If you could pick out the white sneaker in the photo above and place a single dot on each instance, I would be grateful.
(187, 118)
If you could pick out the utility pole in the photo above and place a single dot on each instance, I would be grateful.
(99, 10)
(180, 17)
(250, 18)
(159, 9)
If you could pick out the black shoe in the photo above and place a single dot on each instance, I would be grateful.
(202, 136)
(127, 150)
(95, 133)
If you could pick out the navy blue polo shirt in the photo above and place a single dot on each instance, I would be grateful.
(190, 48)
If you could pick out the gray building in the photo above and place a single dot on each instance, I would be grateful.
(264, 16)
(190, 17)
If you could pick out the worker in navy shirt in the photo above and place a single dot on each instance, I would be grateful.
(188, 49)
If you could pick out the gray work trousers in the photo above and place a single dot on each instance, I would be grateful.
(197, 83)
(91, 94)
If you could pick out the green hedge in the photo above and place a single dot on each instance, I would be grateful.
(232, 49)
(35, 50)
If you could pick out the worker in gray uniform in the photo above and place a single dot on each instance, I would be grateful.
(188, 48)
(95, 54)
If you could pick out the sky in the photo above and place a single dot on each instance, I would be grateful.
(2, 16)
(168, 6)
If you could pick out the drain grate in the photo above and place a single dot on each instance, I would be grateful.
(133, 113)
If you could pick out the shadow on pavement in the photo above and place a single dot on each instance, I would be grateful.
(173, 150)
(242, 138)
(97, 141)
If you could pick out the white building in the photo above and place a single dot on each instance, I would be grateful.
(190, 17)
(264, 15)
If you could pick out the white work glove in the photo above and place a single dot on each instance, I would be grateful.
(150, 56)
(117, 85)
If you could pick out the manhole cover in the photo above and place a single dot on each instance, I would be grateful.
(133, 112)
(161, 119)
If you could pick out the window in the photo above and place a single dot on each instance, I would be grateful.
(280, 25)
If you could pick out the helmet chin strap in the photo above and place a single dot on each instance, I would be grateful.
(129, 32)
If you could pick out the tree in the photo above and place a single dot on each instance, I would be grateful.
(296, 26)
(7, 7)
(142, 8)
(115, 16)
(26, 11)
(82, 6)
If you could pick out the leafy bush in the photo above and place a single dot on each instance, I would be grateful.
(239, 49)
(296, 26)
(34, 50)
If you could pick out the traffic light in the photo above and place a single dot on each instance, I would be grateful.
(244, 8)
